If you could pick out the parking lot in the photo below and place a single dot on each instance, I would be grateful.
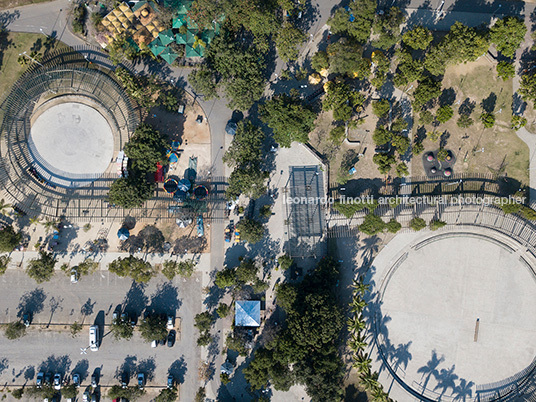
(49, 346)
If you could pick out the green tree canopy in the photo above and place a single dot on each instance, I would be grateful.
(346, 58)
(417, 224)
(131, 393)
(42, 269)
(506, 70)
(418, 37)
(381, 107)
(203, 321)
(527, 87)
(507, 34)
(167, 395)
(427, 90)
(341, 99)
(136, 268)
(387, 26)
(14, 330)
(247, 271)
(364, 13)
(225, 278)
(444, 114)
(461, 44)
(203, 81)
(145, 148)
(130, 192)
(251, 230)
(320, 61)
(289, 117)
(249, 180)
(9, 239)
(153, 327)
(246, 147)
(121, 329)
(372, 225)
(287, 41)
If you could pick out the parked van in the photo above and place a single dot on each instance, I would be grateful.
(94, 338)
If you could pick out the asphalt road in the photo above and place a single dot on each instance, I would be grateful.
(93, 300)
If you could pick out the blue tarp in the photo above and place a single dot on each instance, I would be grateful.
(247, 313)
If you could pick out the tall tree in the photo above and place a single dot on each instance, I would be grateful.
(289, 117)
(287, 42)
(146, 148)
(246, 147)
(507, 34)
(418, 37)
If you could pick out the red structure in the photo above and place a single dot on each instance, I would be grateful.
(159, 174)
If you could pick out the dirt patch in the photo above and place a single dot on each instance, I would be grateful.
(476, 88)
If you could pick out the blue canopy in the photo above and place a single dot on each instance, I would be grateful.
(184, 185)
(247, 313)
(123, 233)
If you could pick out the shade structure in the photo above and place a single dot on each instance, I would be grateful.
(198, 51)
(156, 47)
(179, 21)
(166, 37)
(247, 313)
(123, 234)
(200, 192)
(184, 185)
(180, 39)
(169, 55)
(170, 186)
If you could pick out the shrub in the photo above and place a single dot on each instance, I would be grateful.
(41, 269)
(437, 224)
(417, 224)
(224, 378)
(402, 170)
(223, 310)
(442, 154)
(15, 330)
(418, 148)
(518, 122)
(464, 121)
(372, 225)
(393, 226)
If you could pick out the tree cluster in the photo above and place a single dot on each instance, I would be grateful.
(289, 117)
(136, 268)
(245, 156)
(342, 99)
(306, 350)
(9, 239)
(153, 328)
(182, 268)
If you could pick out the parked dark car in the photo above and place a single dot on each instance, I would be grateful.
(141, 380)
(76, 380)
(171, 338)
(170, 381)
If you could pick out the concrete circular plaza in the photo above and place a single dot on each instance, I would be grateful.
(454, 312)
(71, 141)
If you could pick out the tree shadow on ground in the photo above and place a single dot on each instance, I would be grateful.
(31, 302)
(165, 299)
(55, 364)
(135, 300)
(488, 104)
(178, 370)
(29, 373)
(82, 368)
(128, 368)
(147, 367)
(87, 307)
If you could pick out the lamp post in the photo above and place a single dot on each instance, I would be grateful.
(30, 57)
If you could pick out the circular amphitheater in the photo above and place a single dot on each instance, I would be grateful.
(62, 125)
(453, 316)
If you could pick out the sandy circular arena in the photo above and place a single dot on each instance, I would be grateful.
(72, 142)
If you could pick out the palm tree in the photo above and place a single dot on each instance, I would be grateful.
(50, 224)
(4, 207)
(379, 395)
(357, 343)
(360, 286)
(362, 363)
(358, 305)
(370, 380)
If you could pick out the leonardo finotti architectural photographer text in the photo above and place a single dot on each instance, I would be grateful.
(408, 200)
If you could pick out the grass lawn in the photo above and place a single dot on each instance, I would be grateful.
(17, 43)
(6, 4)
(476, 83)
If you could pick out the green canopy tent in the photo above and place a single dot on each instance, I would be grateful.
(184, 6)
(198, 51)
(166, 37)
(156, 46)
(169, 55)
(207, 36)
(187, 38)
(179, 21)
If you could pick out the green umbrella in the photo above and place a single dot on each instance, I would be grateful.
(179, 21)
(207, 36)
(156, 47)
(169, 55)
(180, 39)
(166, 37)
(198, 51)
(183, 6)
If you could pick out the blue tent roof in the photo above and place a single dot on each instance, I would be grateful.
(123, 233)
(247, 313)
